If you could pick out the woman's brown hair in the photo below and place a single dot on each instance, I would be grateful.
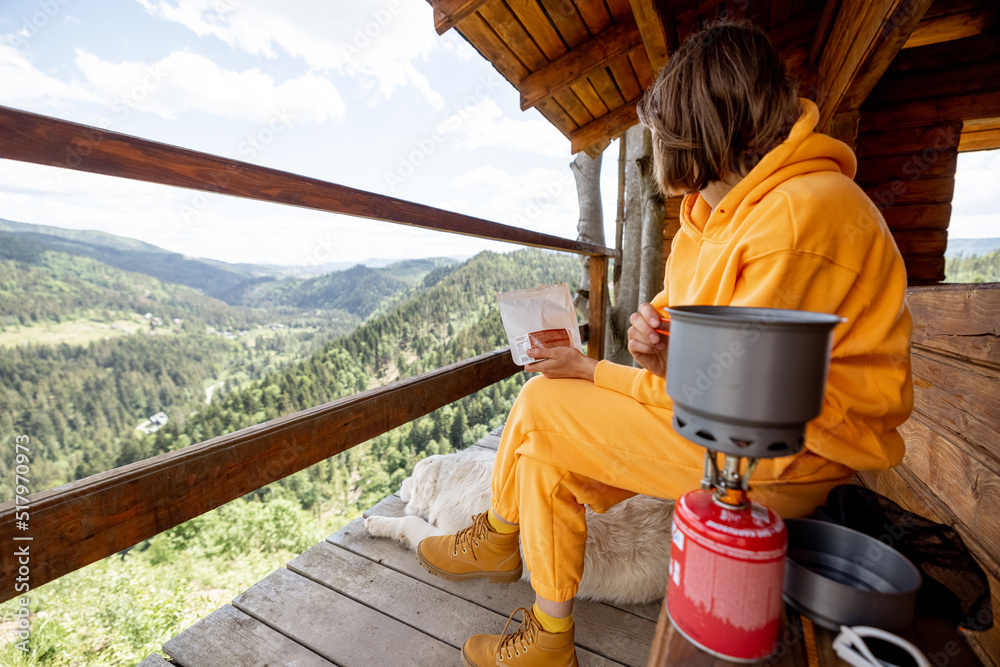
(721, 102)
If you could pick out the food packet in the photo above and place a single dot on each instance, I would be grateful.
(540, 317)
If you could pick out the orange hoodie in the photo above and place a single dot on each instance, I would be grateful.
(798, 233)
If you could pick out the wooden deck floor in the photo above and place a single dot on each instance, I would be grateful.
(358, 601)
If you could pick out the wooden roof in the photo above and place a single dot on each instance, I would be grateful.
(584, 63)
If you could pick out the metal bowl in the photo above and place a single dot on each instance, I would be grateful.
(837, 576)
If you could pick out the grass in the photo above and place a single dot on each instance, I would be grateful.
(74, 332)
(123, 608)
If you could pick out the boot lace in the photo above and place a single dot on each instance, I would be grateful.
(468, 538)
(515, 644)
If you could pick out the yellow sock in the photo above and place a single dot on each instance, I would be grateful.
(550, 624)
(499, 526)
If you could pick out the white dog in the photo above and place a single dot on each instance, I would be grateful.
(628, 548)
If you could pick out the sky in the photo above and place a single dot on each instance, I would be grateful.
(362, 93)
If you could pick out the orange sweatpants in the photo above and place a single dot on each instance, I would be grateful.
(570, 443)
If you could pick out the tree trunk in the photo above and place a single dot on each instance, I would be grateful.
(626, 298)
(651, 270)
(590, 228)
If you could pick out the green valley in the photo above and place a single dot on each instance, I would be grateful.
(82, 366)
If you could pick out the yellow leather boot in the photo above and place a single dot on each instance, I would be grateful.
(474, 552)
(529, 646)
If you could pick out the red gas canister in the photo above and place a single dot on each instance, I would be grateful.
(727, 569)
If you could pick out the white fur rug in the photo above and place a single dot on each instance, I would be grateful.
(628, 548)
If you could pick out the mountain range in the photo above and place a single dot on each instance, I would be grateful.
(357, 288)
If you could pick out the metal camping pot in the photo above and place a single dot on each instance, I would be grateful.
(744, 381)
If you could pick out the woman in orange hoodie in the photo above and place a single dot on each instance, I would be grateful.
(773, 219)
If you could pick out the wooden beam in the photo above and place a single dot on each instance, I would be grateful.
(980, 135)
(609, 126)
(84, 521)
(596, 306)
(865, 37)
(449, 13)
(959, 321)
(971, 106)
(902, 87)
(39, 139)
(920, 216)
(951, 27)
(823, 30)
(924, 269)
(653, 26)
(576, 64)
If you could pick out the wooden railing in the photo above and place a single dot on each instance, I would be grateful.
(84, 521)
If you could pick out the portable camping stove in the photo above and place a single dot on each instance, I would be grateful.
(744, 381)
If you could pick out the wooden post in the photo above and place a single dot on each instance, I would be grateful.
(598, 298)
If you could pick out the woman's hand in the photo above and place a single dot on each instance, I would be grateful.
(561, 362)
(646, 346)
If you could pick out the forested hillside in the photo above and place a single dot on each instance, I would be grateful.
(974, 269)
(80, 404)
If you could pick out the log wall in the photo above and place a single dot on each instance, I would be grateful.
(951, 471)
(908, 139)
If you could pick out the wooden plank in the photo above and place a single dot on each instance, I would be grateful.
(230, 637)
(958, 320)
(910, 141)
(950, 27)
(39, 139)
(389, 506)
(597, 306)
(643, 70)
(566, 18)
(931, 112)
(609, 126)
(948, 55)
(539, 28)
(921, 241)
(912, 86)
(822, 32)
(449, 13)
(962, 400)
(905, 488)
(597, 19)
(921, 191)
(624, 76)
(95, 517)
(341, 630)
(980, 137)
(155, 660)
(933, 164)
(567, 112)
(671, 648)
(924, 269)
(654, 33)
(575, 65)
(932, 216)
(600, 628)
(434, 612)
(865, 37)
(953, 474)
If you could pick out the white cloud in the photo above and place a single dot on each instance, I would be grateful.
(976, 205)
(25, 84)
(224, 228)
(183, 82)
(374, 40)
(542, 200)
(484, 125)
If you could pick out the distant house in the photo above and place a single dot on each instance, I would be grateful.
(153, 424)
